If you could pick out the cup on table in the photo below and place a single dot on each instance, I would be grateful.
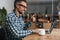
(42, 31)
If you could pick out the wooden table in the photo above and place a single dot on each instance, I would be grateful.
(55, 35)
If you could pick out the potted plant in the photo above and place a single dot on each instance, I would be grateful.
(3, 13)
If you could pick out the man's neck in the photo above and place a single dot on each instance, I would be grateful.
(17, 13)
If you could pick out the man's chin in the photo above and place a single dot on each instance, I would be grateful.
(23, 12)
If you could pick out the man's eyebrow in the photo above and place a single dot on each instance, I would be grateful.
(22, 5)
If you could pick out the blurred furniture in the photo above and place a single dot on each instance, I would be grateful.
(59, 21)
(43, 21)
(33, 26)
(46, 25)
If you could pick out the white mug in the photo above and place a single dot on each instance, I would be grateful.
(42, 31)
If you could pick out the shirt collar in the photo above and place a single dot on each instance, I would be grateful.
(16, 15)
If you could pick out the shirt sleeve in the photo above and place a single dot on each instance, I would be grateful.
(27, 25)
(15, 29)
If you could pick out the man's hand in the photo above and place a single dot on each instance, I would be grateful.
(36, 31)
(39, 31)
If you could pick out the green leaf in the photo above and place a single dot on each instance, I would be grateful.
(3, 13)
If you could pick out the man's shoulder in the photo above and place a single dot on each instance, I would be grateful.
(10, 14)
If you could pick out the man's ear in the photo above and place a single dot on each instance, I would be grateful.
(17, 6)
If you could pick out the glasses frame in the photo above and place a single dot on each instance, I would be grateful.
(22, 5)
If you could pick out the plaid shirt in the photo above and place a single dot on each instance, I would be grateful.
(15, 25)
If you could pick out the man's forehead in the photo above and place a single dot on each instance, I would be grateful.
(23, 3)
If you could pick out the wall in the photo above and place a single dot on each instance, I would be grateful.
(8, 4)
(40, 7)
(33, 7)
(41, 0)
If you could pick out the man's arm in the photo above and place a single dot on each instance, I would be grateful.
(27, 25)
(15, 29)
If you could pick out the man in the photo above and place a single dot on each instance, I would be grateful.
(15, 24)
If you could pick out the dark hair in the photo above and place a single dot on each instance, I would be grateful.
(18, 1)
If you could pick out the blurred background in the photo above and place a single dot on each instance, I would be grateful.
(34, 6)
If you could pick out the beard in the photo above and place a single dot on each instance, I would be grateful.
(19, 12)
(22, 13)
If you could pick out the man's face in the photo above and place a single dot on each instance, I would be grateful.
(21, 6)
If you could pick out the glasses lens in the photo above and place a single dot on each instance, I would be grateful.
(22, 5)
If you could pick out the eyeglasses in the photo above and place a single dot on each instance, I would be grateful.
(22, 5)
